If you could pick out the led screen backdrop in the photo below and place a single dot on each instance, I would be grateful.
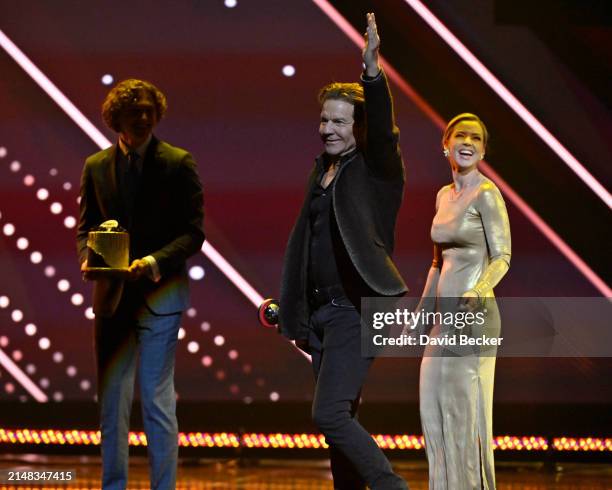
(241, 84)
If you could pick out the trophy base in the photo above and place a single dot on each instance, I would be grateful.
(94, 273)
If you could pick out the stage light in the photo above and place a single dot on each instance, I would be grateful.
(77, 299)
(28, 180)
(56, 208)
(44, 382)
(30, 369)
(44, 343)
(22, 243)
(60, 99)
(219, 340)
(8, 229)
(196, 273)
(69, 222)
(207, 361)
(85, 385)
(232, 274)
(193, 347)
(49, 271)
(67, 186)
(233, 354)
(274, 396)
(58, 357)
(3, 152)
(9, 388)
(4, 301)
(53, 172)
(42, 194)
(107, 79)
(181, 333)
(205, 326)
(58, 396)
(17, 355)
(15, 166)
(532, 443)
(16, 316)
(220, 374)
(230, 3)
(288, 70)
(36, 257)
(19, 375)
(191, 312)
(275, 440)
(71, 371)
(582, 444)
(89, 314)
(30, 329)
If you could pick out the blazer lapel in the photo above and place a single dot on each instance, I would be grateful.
(112, 192)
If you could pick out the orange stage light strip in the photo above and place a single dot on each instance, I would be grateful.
(511, 443)
(252, 440)
(581, 444)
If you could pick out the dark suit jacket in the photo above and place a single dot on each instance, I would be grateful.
(367, 195)
(167, 223)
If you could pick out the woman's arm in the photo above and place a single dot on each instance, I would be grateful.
(496, 226)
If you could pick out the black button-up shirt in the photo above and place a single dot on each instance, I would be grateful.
(322, 268)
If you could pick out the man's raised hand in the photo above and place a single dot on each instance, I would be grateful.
(372, 45)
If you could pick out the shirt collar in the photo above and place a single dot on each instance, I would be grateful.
(322, 159)
(125, 149)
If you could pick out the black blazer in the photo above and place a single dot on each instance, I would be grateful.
(167, 222)
(367, 195)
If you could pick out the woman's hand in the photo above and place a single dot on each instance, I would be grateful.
(470, 301)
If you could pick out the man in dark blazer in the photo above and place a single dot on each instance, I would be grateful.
(340, 251)
(152, 189)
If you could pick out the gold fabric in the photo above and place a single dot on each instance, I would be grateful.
(471, 234)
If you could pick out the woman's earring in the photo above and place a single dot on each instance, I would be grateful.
(446, 152)
(482, 156)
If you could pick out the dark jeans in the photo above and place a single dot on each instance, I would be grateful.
(340, 370)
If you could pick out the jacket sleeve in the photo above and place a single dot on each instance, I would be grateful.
(382, 151)
(191, 217)
(90, 215)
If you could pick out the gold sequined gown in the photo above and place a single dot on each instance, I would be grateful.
(471, 236)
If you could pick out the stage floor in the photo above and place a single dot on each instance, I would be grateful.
(264, 474)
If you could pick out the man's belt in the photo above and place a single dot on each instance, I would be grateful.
(320, 296)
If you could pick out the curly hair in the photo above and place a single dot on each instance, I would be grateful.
(124, 94)
(348, 92)
(466, 116)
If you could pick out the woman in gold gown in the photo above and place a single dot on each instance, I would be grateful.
(471, 236)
